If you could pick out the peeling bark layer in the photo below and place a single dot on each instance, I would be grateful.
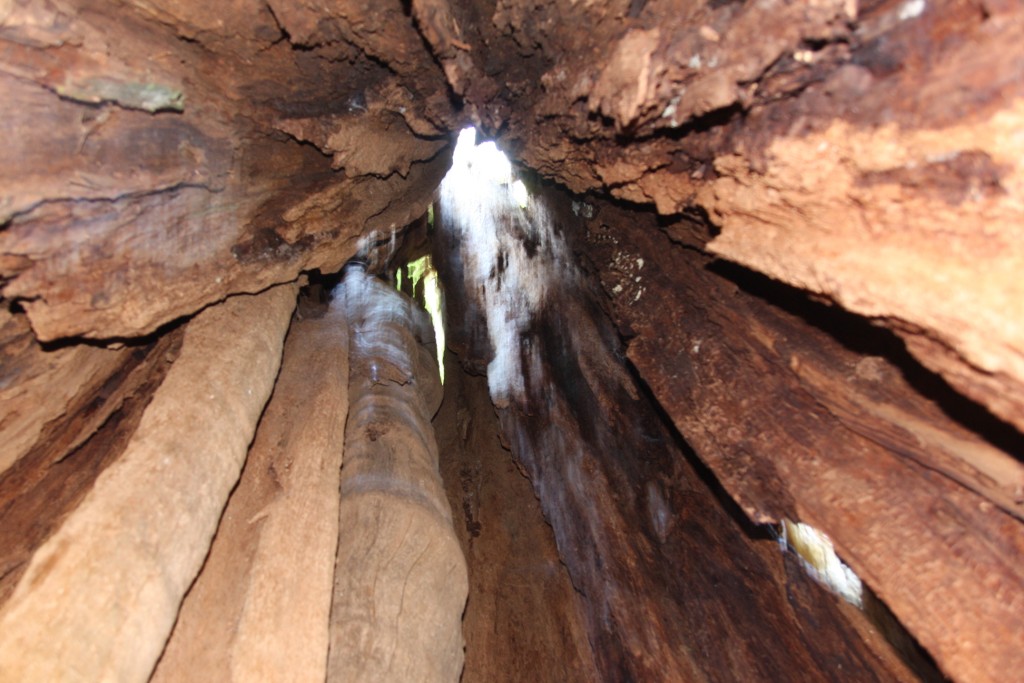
(129, 551)
(400, 579)
(40, 387)
(259, 610)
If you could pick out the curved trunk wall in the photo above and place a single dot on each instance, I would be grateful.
(673, 584)
(171, 169)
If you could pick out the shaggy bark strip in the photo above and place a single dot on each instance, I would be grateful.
(101, 595)
(259, 610)
(400, 580)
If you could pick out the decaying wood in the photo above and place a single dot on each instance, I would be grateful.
(523, 621)
(47, 483)
(795, 425)
(868, 151)
(259, 609)
(40, 386)
(162, 150)
(159, 157)
(672, 585)
(100, 597)
(400, 581)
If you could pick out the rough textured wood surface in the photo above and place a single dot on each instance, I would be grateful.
(796, 425)
(400, 580)
(259, 609)
(172, 148)
(40, 386)
(670, 575)
(868, 151)
(524, 622)
(44, 486)
(161, 156)
(132, 547)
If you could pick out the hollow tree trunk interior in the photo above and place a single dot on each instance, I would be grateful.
(494, 340)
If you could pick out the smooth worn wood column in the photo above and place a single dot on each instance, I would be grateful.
(400, 581)
(259, 610)
(101, 595)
